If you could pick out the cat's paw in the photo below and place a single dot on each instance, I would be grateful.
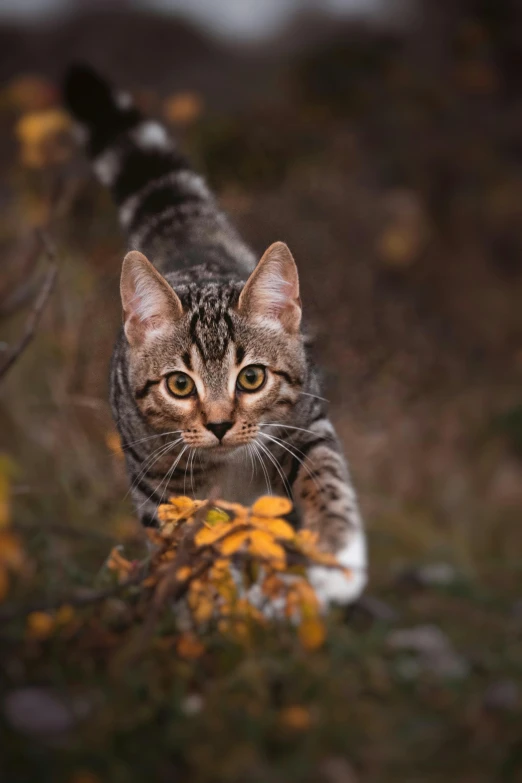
(333, 586)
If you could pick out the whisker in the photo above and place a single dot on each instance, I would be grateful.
(166, 478)
(274, 461)
(307, 394)
(252, 464)
(263, 467)
(185, 474)
(151, 460)
(288, 427)
(192, 472)
(293, 454)
(150, 437)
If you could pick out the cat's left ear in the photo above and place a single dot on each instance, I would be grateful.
(272, 290)
(150, 306)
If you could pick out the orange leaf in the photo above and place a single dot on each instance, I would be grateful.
(209, 535)
(277, 527)
(4, 583)
(64, 615)
(263, 545)
(297, 718)
(272, 586)
(40, 625)
(307, 598)
(307, 538)
(11, 553)
(183, 108)
(84, 776)
(312, 633)
(203, 610)
(268, 506)
(42, 136)
(31, 93)
(116, 562)
(184, 505)
(183, 573)
(234, 542)
(236, 509)
(112, 439)
(189, 646)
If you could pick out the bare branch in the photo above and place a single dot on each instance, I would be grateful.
(36, 311)
(8, 613)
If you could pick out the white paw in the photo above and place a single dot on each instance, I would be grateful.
(333, 586)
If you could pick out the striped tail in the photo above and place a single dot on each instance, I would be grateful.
(165, 209)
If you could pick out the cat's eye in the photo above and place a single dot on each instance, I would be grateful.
(251, 378)
(180, 384)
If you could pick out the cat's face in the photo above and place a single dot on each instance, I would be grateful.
(216, 363)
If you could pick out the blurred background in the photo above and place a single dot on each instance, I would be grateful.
(382, 140)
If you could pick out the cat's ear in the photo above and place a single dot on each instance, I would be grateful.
(272, 290)
(150, 306)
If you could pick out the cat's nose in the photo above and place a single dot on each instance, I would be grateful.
(219, 428)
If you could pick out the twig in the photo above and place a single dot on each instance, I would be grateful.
(33, 319)
(8, 613)
(168, 588)
(57, 529)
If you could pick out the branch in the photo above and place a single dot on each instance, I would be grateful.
(35, 314)
(8, 613)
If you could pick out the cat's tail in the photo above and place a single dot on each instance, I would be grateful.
(134, 156)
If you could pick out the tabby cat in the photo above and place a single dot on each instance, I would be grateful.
(211, 381)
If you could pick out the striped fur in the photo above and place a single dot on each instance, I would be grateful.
(205, 310)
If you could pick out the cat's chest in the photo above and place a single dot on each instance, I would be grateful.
(239, 479)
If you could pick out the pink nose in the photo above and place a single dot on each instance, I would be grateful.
(219, 428)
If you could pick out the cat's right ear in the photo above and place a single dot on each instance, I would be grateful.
(150, 306)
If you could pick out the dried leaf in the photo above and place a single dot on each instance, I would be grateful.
(263, 545)
(204, 609)
(269, 506)
(188, 646)
(112, 439)
(183, 108)
(185, 506)
(7, 470)
(209, 535)
(297, 718)
(40, 625)
(11, 553)
(44, 137)
(31, 93)
(116, 562)
(312, 633)
(64, 615)
(84, 776)
(233, 543)
(277, 527)
(4, 583)
(183, 573)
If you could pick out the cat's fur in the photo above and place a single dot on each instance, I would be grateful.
(192, 310)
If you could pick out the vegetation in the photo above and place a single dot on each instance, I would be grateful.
(403, 188)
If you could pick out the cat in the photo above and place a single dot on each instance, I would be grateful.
(211, 380)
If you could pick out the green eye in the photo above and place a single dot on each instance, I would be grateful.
(251, 378)
(180, 384)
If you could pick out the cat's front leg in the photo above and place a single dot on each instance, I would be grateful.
(328, 505)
